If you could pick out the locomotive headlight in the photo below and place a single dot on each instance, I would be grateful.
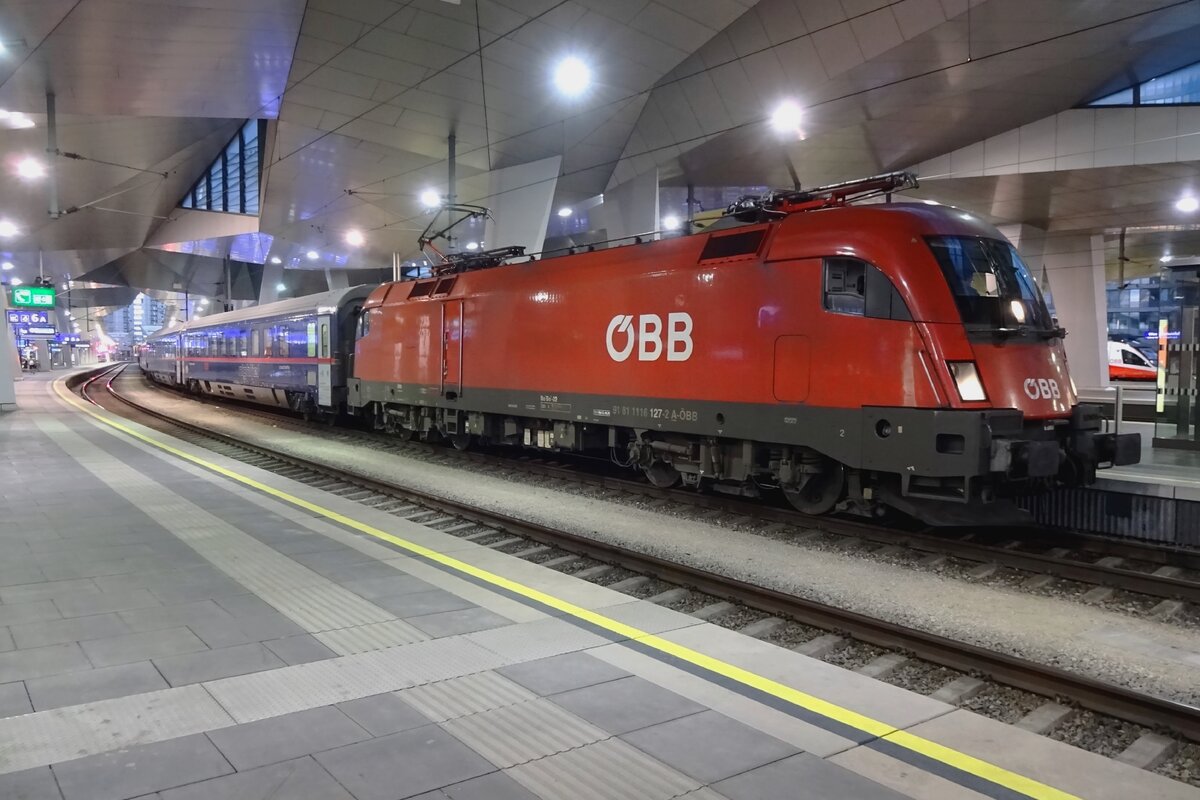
(966, 378)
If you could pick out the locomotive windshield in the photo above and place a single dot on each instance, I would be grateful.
(991, 285)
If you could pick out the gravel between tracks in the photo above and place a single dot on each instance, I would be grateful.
(1143, 654)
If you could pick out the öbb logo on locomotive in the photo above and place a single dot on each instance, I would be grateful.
(648, 337)
(1044, 388)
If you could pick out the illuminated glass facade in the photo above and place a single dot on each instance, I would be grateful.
(231, 182)
(1181, 87)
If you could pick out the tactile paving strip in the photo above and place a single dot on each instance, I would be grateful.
(607, 770)
(62, 734)
(310, 600)
(470, 694)
(523, 732)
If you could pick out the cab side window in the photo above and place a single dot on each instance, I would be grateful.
(853, 286)
(364, 323)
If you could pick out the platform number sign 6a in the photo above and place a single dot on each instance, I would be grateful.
(1043, 388)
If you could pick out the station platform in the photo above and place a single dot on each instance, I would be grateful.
(177, 625)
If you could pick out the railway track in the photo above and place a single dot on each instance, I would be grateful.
(1150, 570)
(713, 596)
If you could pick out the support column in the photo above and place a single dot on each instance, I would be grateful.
(336, 279)
(631, 208)
(10, 362)
(1075, 268)
(520, 198)
(272, 277)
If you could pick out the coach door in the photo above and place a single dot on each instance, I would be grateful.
(324, 363)
(179, 351)
(452, 348)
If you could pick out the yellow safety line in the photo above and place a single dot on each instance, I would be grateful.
(969, 764)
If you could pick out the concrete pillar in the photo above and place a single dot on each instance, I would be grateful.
(337, 279)
(10, 361)
(43, 355)
(268, 292)
(631, 207)
(1075, 269)
(520, 198)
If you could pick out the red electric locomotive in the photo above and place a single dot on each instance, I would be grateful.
(853, 357)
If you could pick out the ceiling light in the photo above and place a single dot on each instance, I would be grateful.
(312, 255)
(16, 281)
(31, 168)
(564, 212)
(572, 76)
(279, 287)
(354, 238)
(472, 245)
(8, 228)
(787, 117)
(276, 260)
(670, 222)
(1187, 204)
(6, 266)
(204, 302)
(430, 198)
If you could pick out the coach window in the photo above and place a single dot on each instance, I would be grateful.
(255, 342)
(855, 287)
(312, 339)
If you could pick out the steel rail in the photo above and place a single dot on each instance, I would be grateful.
(1099, 696)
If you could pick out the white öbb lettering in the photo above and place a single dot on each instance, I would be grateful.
(1044, 388)
(648, 337)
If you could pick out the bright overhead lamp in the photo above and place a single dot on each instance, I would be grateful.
(1187, 204)
(564, 212)
(6, 266)
(355, 238)
(312, 255)
(8, 228)
(279, 287)
(472, 245)
(31, 168)
(276, 260)
(203, 302)
(671, 222)
(430, 198)
(17, 281)
(572, 76)
(787, 117)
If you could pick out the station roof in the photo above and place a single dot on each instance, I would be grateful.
(361, 94)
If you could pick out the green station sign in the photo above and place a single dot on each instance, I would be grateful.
(33, 297)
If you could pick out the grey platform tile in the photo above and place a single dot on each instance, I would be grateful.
(339, 556)
(245, 605)
(495, 786)
(385, 585)
(803, 777)
(21, 613)
(88, 604)
(290, 736)
(418, 604)
(37, 662)
(607, 770)
(562, 673)
(301, 779)
(208, 665)
(382, 714)
(30, 784)
(18, 576)
(46, 589)
(14, 700)
(627, 704)
(403, 764)
(258, 628)
(141, 646)
(297, 544)
(299, 649)
(467, 620)
(540, 638)
(176, 615)
(709, 746)
(139, 770)
(76, 629)
(6, 641)
(96, 684)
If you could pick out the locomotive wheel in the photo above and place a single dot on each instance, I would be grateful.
(462, 441)
(821, 493)
(661, 474)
